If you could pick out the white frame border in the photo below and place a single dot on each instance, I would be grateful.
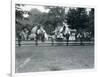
(13, 39)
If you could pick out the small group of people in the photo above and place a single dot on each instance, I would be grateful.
(67, 34)
(22, 35)
(83, 36)
(59, 34)
(38, 32)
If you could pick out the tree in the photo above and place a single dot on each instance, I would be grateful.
(18, 11)
(91, 21)
(77, 18)
(19, 15)
(57, 14)
(54, 17)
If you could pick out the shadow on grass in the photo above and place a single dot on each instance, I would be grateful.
(55, 68)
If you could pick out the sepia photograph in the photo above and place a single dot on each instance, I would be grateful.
(53, 38)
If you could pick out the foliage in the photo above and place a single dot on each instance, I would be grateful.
(18, 11)
(54, 17)
(77, 18)
(91, 21)
(20, 18)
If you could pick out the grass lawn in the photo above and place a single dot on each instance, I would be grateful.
(53, 58)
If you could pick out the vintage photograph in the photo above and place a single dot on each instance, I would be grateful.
(53, 38)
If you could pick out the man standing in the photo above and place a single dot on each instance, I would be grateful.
(67, 38)
(19, 38)
(81, 37)
(37, 35)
